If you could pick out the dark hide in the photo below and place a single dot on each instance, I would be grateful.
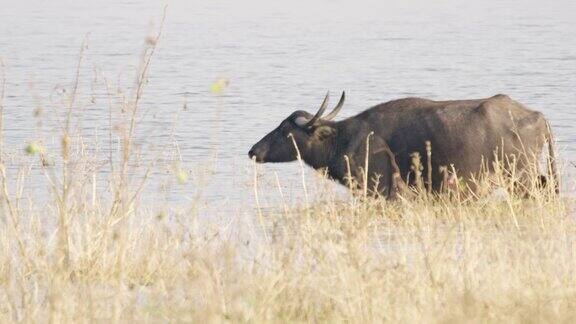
(463, 133)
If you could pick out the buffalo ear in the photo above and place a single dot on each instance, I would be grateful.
(321, 133)
(301, 121)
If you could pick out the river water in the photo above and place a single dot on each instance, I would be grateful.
(278, 57)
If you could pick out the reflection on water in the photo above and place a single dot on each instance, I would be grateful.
(278, 58)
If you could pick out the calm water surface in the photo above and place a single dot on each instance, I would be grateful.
(278, 57)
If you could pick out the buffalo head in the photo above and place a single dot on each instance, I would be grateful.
(302, 128)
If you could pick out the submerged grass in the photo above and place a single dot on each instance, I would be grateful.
(91, 253)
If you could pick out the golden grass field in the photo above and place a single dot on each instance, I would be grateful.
(92, 254)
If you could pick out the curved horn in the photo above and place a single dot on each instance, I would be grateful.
(320, 111)
(336, 109)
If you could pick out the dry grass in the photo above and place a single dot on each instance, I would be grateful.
(90, 253)
(425, 260)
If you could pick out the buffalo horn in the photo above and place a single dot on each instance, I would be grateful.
(336, 109)
(320, 111)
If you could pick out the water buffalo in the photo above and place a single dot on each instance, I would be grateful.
(466, 134)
